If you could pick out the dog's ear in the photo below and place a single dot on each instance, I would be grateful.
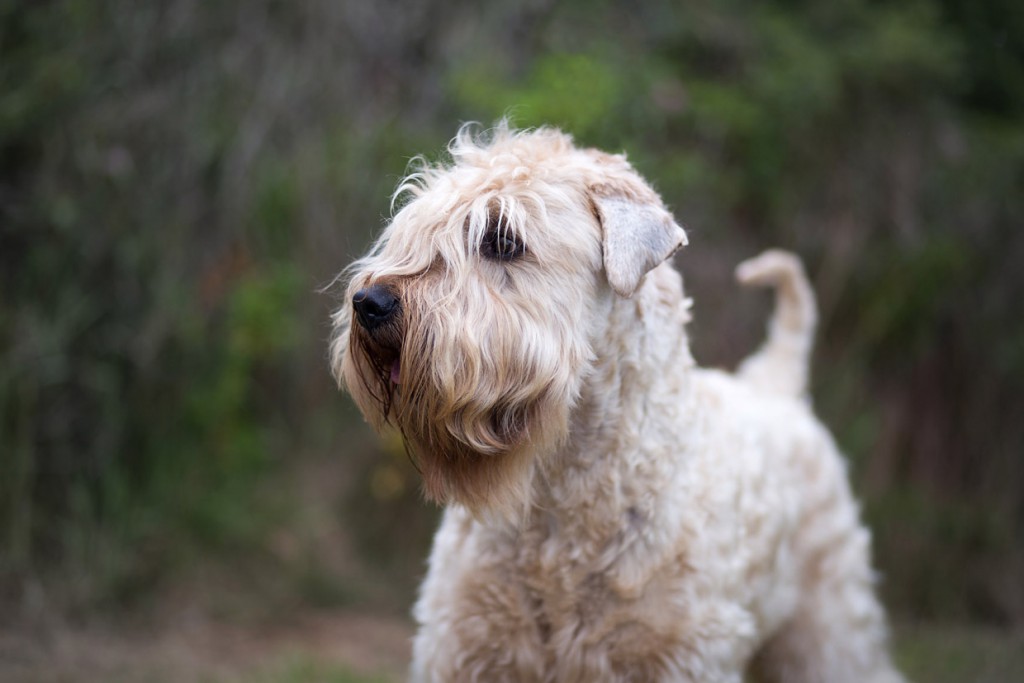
(637, 236)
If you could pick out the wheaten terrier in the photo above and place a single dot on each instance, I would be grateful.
(614, 513)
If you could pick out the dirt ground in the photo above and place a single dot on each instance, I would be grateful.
(349, 647)
(318, 646)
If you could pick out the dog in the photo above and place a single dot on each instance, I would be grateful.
(612, 511)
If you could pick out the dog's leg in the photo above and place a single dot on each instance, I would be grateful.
(838, 632)
(840, 639)
(476, 622)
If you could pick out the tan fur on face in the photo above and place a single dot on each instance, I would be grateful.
(489, 370)
(474, 398)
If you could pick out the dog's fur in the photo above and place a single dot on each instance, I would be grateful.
(614, 513)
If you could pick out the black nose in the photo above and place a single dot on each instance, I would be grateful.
(375, 305)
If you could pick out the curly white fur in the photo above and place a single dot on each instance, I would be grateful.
(614, 512)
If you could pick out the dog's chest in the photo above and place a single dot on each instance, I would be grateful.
(584, 594)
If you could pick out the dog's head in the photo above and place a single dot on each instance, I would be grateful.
(468, 326)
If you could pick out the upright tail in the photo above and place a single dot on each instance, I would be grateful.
(782, 364)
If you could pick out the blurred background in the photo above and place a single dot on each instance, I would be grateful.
(185, 495)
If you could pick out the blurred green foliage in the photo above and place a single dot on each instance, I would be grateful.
(177, 181)
(300, 668)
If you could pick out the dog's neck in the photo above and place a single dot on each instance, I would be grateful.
(630, 410)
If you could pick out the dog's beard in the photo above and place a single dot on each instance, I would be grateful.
(473, 419)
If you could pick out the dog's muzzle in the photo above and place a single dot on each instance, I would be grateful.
(375, 306)
(378, 310)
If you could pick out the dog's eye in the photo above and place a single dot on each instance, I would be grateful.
(501, 245)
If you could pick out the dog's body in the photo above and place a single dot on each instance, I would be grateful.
(615, 513)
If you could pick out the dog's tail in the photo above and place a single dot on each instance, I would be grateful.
(782, 364)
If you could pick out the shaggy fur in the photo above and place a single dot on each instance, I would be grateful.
(614, 513)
